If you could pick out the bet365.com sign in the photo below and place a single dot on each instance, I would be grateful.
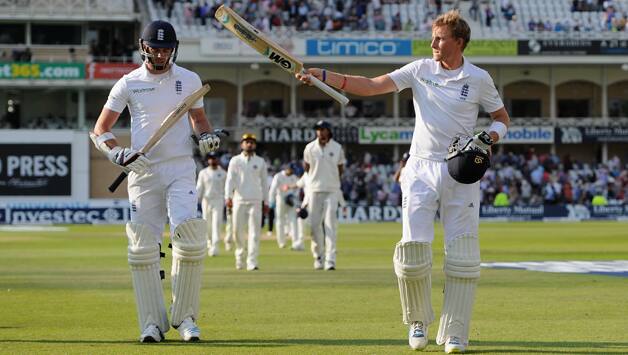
(47, 71)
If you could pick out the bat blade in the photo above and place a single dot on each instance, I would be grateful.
(268, 48)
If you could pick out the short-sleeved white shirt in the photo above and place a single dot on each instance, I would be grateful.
(324, 161)
(446, 103)
(150, 99)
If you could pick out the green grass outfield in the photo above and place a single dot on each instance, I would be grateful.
(70, 292)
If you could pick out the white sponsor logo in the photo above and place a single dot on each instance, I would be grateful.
(160, 34)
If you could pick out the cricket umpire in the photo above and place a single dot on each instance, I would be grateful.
(324, 162)
(162, 182)
(446, 161)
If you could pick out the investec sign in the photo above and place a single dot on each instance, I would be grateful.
(358, 47)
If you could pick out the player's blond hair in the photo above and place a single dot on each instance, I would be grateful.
(457, 25)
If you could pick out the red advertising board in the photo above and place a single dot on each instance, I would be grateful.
(108, 70)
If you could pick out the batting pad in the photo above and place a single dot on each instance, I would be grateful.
(413, 266)
(189, 248)
(462, 271)
(143, 253)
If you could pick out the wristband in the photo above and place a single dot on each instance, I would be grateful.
(499, 128)
(324, 75)
(104, 137)
(344, 82)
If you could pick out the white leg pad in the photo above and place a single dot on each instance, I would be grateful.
(462, 271)
(143, 254)
(189, 245)
(413, 266)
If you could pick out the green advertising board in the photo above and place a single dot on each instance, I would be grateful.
(385, 135)
(42, 71)
(480, 47)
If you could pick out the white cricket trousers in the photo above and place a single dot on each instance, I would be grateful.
(168, 190)
(247, 216)
(323, 209)
(427, 187)
(285, 218)
(213, 214)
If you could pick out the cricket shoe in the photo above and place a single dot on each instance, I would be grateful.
(454, 345)
(213, 251)
(188, 330)
(151, 334)
(417, 336)
(318, 264)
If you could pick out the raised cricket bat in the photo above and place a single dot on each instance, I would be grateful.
(166, 124)
(269, 49)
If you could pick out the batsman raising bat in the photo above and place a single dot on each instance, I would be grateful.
(442, 174)
(162, 180)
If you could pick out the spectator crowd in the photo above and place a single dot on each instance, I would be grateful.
(522, 179)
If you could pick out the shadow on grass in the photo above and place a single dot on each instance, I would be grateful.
(477, 347)
(546, 347)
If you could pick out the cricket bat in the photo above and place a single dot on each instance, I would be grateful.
(166, 124)
(269, 49)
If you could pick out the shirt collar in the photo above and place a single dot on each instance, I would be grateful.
(464, 72)
(146, 75)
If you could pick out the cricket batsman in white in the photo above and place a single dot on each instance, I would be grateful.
(448, 91)
(285, 205)
(161, 183)
(211, 188)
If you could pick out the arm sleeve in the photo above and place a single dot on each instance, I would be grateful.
(341, 157)
(406, 75)
(273, 189)
(301, 182)
(118, 96)
(199, 185)
(489, 97)
(306, 154)
(197, 85)
(230, 183)
(264, 176)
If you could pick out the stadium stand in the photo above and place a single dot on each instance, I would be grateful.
(490, 19)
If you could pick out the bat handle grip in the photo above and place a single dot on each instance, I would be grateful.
(114, 185)
(343, 100)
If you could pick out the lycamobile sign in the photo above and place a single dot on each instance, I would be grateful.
(42, 71)
(385, 135)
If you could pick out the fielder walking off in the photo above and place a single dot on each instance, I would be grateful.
(245, 191)
(162, 183)
(211, 188)
(448, 91)
(324, 162)
(285, 208)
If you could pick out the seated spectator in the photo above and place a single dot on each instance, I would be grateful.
(378, 21)
(396, 22)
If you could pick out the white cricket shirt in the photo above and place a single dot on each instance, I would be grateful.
(446, 103)
(211, 183)
(279, 180)
(324, 161)
(150, 99)
(247, 179)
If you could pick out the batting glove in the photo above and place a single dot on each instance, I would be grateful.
(208, 142)
(482, 140)
(129, 159)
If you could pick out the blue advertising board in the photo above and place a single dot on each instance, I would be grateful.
(358, 47)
